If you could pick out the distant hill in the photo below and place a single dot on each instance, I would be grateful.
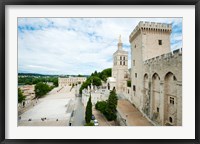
(33, 74)
(43, 75)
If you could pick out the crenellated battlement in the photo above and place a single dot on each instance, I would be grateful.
(150, 26)
(167, 56)
(153, 25)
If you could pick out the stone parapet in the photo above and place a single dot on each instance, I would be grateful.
(167, 56)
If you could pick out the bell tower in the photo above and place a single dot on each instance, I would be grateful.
(120, 66)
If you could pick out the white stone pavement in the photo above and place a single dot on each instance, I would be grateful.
(52, 107)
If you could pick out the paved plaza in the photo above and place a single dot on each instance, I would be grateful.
(132, 115)
(56, 108)
(51, 110)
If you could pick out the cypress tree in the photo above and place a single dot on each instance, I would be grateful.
(88, 112)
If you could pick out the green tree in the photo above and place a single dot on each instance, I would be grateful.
(84, 86)
(101, 106)
(55, 82)
(111, 108)
(95, 74)
(29, 80)
(36, 80)
(79, 75)
(95, 80)
(105, 74)
(109, 114)
(41, 89)
(88, 112)
(112, 100)
(21, 97)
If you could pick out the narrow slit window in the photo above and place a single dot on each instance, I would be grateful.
(133, 87)
(171, 101)
(159, 42)
(157, 109)
(170, 120)
(133, 62)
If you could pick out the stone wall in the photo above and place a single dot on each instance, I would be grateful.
(97, 95)
(162, 89)
(156, 74)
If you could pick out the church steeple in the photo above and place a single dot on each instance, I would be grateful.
(120, 43)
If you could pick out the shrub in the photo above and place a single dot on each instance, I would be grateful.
(101, 106)
(110, 114)
(108, 108)
(89, 124)
(111, 108)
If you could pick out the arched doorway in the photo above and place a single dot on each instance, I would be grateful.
(146, 100)
(156, 98)
(170, 99)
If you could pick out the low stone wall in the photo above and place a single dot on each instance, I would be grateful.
(96, 95)
(120, 120)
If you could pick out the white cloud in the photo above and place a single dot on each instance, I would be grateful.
(74, 45)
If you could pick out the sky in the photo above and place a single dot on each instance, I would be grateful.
(72, 46)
